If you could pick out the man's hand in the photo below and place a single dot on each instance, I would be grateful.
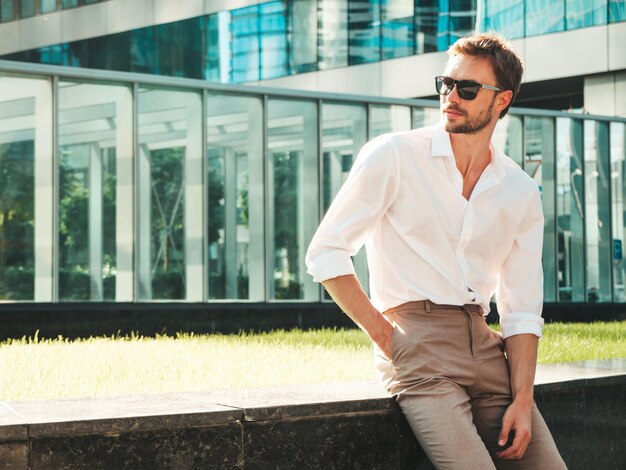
(517, 419)
(384, 338)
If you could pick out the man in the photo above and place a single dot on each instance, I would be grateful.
(448, 220)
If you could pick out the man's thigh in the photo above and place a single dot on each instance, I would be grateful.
(440, 415)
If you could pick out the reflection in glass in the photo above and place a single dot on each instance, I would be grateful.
(597, 211)
(508, 137)
(293, 201)
(426, 25)
(364, 31)
(539, 163)
(384, 119)
(93, 130)
(618, 193)
(617, 10)
(332, 33)
(48, 5)
(422, 117)
(178, 48)
(170, 195)
(7, 11)
(504, 16)
(455, 22)
(583, 13)
(273, 39)
(398, 38)
(69, 3)
(569, 210)
(26, 198)
(244, 30)
(27, 8)
(235, 197)
(344, 132)
(303, 35)
(544, 16)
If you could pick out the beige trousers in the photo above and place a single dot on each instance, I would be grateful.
(451, 380)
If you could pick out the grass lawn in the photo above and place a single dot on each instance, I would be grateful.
(35, 369)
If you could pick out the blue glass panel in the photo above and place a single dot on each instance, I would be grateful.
(426, 19)
(302, 35)
(244, 29)
(617, 10)
(363, 31)
(332, 33)
(273, 38)
(69, 3)
(7, 12)
(398, 38)
(27, 8)
(582, 13)
(462, 19)
(178, 48)
(544, 16)
(48, 5)
(506, 17)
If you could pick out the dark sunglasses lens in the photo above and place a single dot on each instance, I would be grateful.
(444, 85)
(467, 92)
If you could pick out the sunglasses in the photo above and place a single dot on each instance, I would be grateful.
(466, 89)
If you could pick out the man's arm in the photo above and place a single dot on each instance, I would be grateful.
(521, 351)
(347, 292)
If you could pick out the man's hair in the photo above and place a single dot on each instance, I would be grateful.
(506, 63)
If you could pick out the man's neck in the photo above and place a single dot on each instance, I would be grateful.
(471, 152)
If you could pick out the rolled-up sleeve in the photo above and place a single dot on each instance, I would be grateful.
(361, 202)
(519, 295)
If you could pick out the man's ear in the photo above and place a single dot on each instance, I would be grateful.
(503, 99)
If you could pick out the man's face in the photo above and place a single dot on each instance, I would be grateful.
(469, 116)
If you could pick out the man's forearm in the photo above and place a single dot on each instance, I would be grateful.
(521, 351)
(347, 292)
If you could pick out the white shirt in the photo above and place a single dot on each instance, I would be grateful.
(403, 200)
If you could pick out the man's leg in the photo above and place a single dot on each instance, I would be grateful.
(440, 415)
(541, 452)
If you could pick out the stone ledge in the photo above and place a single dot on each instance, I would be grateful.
(340, 425)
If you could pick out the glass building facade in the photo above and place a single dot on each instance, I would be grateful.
(133, 188)
(286, 37)
(11, 10)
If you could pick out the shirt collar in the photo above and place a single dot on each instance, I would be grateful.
(441, 147)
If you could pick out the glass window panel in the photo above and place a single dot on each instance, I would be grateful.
(244, 29)
(505, 16)
(426, 25)
(597, 211)
(398, 38)
(544, 16)
(582, 13)
(17, 192)
(617, 10)
(384, 119)
(422, 117)
(539, 164)
(569, 208)
(235, 198)
(179, 48)
(618, 193)
(88, 2)
(303, 35)
(293, 202)
(508, 136)
(94, 133)
(461, 20)
(169, 193)
(364, 31)
(48, 5)
(69, 3)
(218, 54)
(273, 39)
(7, 11)
(332, 33)
(344, 132)
(27, 8)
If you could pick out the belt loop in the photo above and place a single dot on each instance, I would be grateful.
(427, 305)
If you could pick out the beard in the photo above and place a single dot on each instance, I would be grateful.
(471, 125)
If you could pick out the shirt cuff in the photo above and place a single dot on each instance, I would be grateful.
(521, 323)
(329, 265)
